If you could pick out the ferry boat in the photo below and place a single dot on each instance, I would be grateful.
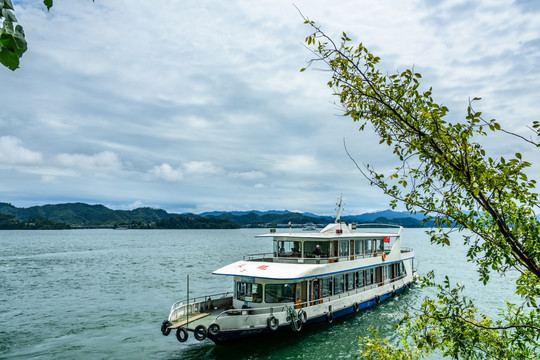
(308, 278)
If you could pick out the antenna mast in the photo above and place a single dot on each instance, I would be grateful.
(339, 204)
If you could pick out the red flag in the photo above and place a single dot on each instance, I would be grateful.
(387, 239)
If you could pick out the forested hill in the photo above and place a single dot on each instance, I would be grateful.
(77, 215)
(80, 215)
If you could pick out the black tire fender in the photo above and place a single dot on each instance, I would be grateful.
(181, 334)
(329, 317)
(165, 327)
(200, 332)
(272, 322)
(355, 307)
(302, 316)
(213, 329)
(299, 324)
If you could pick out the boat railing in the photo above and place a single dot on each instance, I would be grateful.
(199, 304)
(255, 311)
(260, 257)
(270, 257)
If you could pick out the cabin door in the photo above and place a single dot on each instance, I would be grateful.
(300, 297)
(351, 249)
(379, 275)
(333, 251)
(315, 293)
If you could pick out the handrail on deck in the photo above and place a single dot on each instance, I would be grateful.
(200, 299)
(315, 260)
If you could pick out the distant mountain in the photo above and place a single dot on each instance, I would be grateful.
(84, 215)
(270, 218)
(388, 214)
(80, 214)
(242, 213)
(10, 222)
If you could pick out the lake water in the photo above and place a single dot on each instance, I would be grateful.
(102, 294)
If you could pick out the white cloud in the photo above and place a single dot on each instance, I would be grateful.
(297, 164)
(202, 168)
(212, 97)
(248, 175)
(103, 162)
(12, 152)
(167, 172)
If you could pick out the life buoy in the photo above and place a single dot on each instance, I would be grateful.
(181, 334)
(329, 317)
(302, 316)
(355, 307)
(165, 327)
(272, 322)
(200, 332)
(213, 329)
(383, 256)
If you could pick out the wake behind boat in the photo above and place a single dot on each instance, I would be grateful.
(308, 278)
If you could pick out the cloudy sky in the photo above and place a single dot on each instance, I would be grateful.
(200, 105)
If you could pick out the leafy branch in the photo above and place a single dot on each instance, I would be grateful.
(445, 174)
(12, 39)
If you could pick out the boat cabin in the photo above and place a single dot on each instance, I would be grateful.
(288, 275)
(329, 249)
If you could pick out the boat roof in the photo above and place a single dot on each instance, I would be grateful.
(290, 271)
(336, 231)
(269, 270)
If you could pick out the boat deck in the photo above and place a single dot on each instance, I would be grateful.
(203, 318)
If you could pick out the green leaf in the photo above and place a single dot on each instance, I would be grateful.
(8, 5)
(48, 4)
(8, 15)
(9, 59)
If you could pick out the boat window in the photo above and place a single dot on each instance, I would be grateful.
(358, 247)
(279, 293)
(349, 281)
(327, 286)
(310, 249)
(368, 274)
(367, 247)
(344, 248)
(374, 246)
(339, 284)
(287, 248)
(360, 279)
(249, 292)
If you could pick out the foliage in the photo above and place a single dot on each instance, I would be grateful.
(445, 174)
(195, 222)
(12, 41)
(9, 222)
(375, 347)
